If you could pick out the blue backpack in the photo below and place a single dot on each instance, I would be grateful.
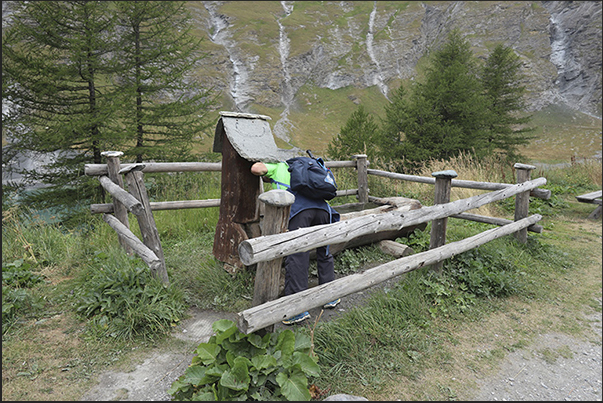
(311, 178)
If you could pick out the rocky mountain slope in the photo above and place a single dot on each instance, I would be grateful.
(307, 64)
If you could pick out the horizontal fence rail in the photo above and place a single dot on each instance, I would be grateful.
(493, 220)
(167, 205)
(269, 247)
(540, 193)
(155, 167)
(152, 167)
(145, 253)
(276, 310)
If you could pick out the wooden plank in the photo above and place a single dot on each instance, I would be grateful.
(130, 202)
(590, 197)
(303, 239)
(271, 312)
(395, 249)
(146, 222)
(347, 192)
(121, 212)
(101, 169)
(522, 200)
(540, 193)
(145, 253)
(595, 214)
(361, 167)
(437, 237)
(167, 205)
(340, 164)
(493, 220)
(389, 204)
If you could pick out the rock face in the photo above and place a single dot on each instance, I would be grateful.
(263, 54)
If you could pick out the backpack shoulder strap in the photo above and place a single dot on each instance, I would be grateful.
(279, 184)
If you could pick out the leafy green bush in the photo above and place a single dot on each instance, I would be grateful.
(485, 274)
(17, 277)
(550, 207)
(235, 366)
(127, 302)
(478, 273)
(18, 274)
(418, 240)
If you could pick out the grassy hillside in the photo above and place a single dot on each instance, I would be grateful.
(562, 133)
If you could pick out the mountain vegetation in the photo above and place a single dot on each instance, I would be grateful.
(460, 107)
(308, 65)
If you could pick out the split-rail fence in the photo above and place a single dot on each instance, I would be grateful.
(268, 250)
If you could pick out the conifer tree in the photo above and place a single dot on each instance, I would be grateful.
(55, 64)
(163, 108)
(447, 113)
(392, 127)
(357, 136)
(84, 77)
(501, 78)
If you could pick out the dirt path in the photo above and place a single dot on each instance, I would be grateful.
(555, 367)
(571, 372)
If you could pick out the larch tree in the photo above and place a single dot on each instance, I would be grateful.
(447, 113)
(163, 107)
(392, 126)
(508, 125)
(82, 77)
(56, 61)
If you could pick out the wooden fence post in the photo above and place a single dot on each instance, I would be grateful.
(522, 200)
(119, 210)
(438, 227)
(362, 167)
(146, 222)
(267, 278)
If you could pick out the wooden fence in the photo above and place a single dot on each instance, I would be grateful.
(269, 249)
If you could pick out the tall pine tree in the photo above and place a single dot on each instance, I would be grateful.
(392, 127)
(501, 78)
(447, 113)
(55, 68)
(83, 77)
(163, 108)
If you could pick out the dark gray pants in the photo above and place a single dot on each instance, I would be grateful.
(297, 264)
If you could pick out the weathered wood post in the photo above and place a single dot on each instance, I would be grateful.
(438, 227)
(119, 210)
(146, 222)
(267, 278)
(362, 167)
(522, 200)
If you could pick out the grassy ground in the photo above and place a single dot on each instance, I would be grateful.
(51, 353)
(472, 349)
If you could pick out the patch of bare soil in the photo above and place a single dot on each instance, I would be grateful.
(555, 367)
